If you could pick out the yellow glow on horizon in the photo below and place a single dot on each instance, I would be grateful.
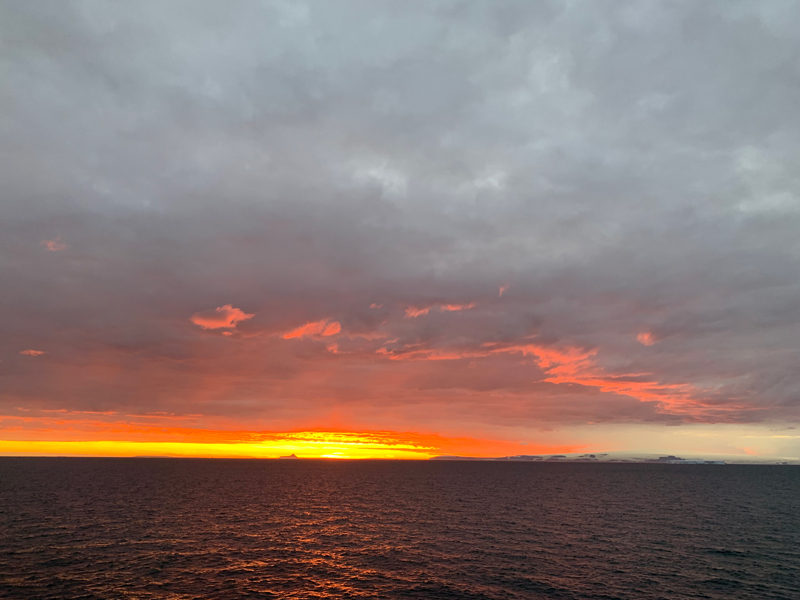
(310, 448)
(95, 437)
(312, 444)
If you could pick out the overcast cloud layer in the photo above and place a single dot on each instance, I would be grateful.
(430, 215)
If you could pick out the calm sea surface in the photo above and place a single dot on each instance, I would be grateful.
(179, 529)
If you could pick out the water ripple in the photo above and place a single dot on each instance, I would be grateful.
(224, 529)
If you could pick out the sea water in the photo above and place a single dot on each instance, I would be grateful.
(226, 529)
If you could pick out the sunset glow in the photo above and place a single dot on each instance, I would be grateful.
(472, 229)
(154, 441)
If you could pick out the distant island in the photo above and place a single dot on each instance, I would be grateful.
(605, 457)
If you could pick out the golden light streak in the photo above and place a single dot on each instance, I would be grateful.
(272, 449)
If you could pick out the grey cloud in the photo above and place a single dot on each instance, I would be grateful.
(623, 167)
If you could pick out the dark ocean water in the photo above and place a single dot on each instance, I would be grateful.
(179, 529)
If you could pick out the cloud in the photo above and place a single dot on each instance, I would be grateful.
(323, 328)
(33, 352)
(569, 366)
(55, 245)
(412, 312)
(456, 307)
(222, 317)
(646, 338)
(618, 165)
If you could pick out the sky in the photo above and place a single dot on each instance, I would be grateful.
(399, 229)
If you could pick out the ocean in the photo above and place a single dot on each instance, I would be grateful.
(113, 528)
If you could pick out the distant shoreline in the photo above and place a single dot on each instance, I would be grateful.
(443, 459)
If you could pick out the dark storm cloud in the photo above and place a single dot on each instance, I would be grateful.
(620, 169)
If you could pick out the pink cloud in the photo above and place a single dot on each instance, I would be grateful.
(503, 290)
(646, 338)
(33, 352)
(323, 328)
(55, 245)
(223, 317)
(412, 312)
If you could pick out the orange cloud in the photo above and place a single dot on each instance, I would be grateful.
(33, 352)
(646, 338)
(503, 290)
(573, 365)
(323, 328)
(55, 245)
(412, 312)
(568, 365)
(455, 307)
(222, 317)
